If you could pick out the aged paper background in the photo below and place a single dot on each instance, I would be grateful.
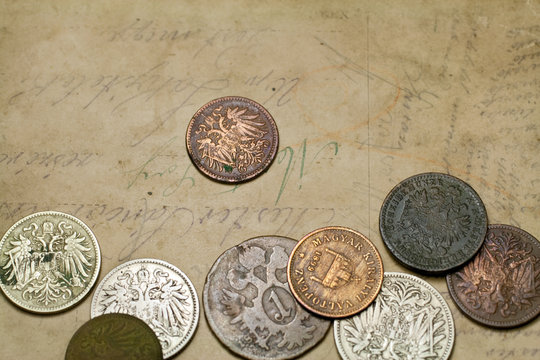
(96, 96)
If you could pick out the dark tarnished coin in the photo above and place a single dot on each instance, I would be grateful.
(409, 319)
(433, 222)
(500, 287)
(114, 337)
(49, 261)
(232, 139)
(249, 306)
(156, 292)
(335, 272)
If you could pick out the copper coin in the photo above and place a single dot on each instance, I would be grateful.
(232, 139)
(249, 306)
(335, 272)
(500, 287)
(114, 337)
(433, 222)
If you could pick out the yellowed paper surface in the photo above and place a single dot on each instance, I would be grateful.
(96, 97)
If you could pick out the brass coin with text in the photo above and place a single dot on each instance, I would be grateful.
(335, 272)
(500, 286)
(232, 139)
(114, 337)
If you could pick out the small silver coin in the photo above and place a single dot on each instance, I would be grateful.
(409, 319)
(156, 292)
(49, 261)
(249, 306)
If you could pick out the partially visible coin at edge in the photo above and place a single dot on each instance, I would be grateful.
(232, 139)
(500, 287)
(249, 306)
(156, 292)
(409, 319)
(114, 336)
(335, 272)
(433, 222)
(49, 261)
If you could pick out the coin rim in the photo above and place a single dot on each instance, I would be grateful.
(83, 294)
(435, 292)
(331, 315)
(242, 177)
(418, 267)
(194, 297)
(118, 315)
(212, 325)
(481, 320)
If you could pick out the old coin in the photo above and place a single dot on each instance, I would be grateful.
(156, 292)
(232, 139)
(335, 272)
(409, 319)
(500, 286)
(49, 261)
(114, 337)
(433, 222)
(249, 306)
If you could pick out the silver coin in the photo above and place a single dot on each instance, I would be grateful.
(249, 306)
(49, 261)
(409, 319)
(156, 292)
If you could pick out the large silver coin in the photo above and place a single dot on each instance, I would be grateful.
(49, 261)
(156, 292)
(409, 319)
(249, 306)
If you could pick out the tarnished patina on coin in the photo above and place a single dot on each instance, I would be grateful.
(409, 319)
(232, 139)
(49, 261)
(500, 287)
(335, 272)
(249, 306)
(156, 292)
(114, 337)
(433, 222)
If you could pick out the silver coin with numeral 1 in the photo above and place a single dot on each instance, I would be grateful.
(49, 261)
(156, 292)
(249, 306)
(409, 319)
